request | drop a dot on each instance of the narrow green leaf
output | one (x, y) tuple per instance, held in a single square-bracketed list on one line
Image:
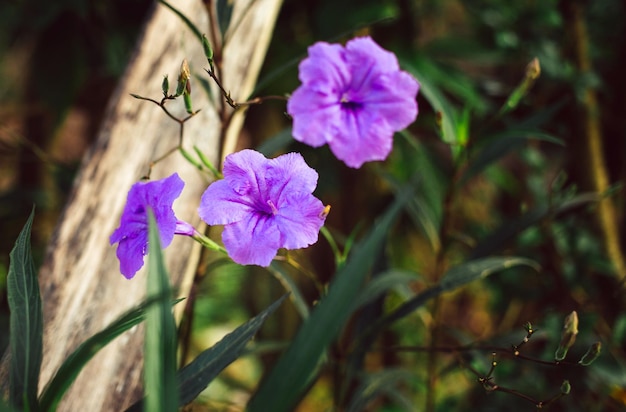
[(467, 272), (26, 323), (276, 143), (382, 283), (501, 144), (224, 14), (160, 383), (377, 384), (499, 238), (184, 18), (436, 99), (293, 372), (196, 376), (71, 367), (290, 286), (454, 278)]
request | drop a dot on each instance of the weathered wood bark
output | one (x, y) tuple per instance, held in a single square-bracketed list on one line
[(82, 289)]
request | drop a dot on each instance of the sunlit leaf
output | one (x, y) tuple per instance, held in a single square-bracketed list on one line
[(26, 322)]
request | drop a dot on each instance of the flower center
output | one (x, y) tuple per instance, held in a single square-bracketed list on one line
[(348, 104), (272, 207)]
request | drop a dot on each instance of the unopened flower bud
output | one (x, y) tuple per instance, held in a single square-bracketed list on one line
[(165, 86), (208, 51), (187, 100), (592, 354), (183, 78), (566, 387), (568, 336), (533, 69)]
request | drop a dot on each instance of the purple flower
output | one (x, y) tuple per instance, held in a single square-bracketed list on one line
[(132, 234), (352, 98), (265, 205)]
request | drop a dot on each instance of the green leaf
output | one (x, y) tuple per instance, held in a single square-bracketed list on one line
[(501, 144), (507, 231), (439, 103), (290, 286), (224, 14), (26, 323), (467, 272), (196, 376), (377, 384), (276, 143), (160, 382), (382, 283), (452, 279), (71, 367), (184, 18), (293, 372)]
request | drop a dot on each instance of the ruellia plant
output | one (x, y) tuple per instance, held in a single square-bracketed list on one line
[(396, 321)]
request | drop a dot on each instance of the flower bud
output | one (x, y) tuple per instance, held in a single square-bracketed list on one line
[(533, 69), (183, 78), (592, 354), (568, 336), (165, 86), (566, 387), (187, 100), (208, 51)]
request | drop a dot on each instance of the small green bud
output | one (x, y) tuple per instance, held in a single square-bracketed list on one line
[(568, 336), (208, 51), (165, 86), (187, 99), (183, 78), (566, 387), (592, 354)]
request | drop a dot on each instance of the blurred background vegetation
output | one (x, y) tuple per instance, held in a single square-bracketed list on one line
[(60, 61)]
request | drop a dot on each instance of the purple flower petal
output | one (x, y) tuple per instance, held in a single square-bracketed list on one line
[(265, 205), (353, 98), (132, 234), (253, 240)]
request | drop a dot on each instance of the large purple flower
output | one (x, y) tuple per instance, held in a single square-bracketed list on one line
[(132, 235), (265, 205), (352, 98)]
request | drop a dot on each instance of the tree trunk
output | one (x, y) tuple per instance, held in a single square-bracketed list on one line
[(82, 288)]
